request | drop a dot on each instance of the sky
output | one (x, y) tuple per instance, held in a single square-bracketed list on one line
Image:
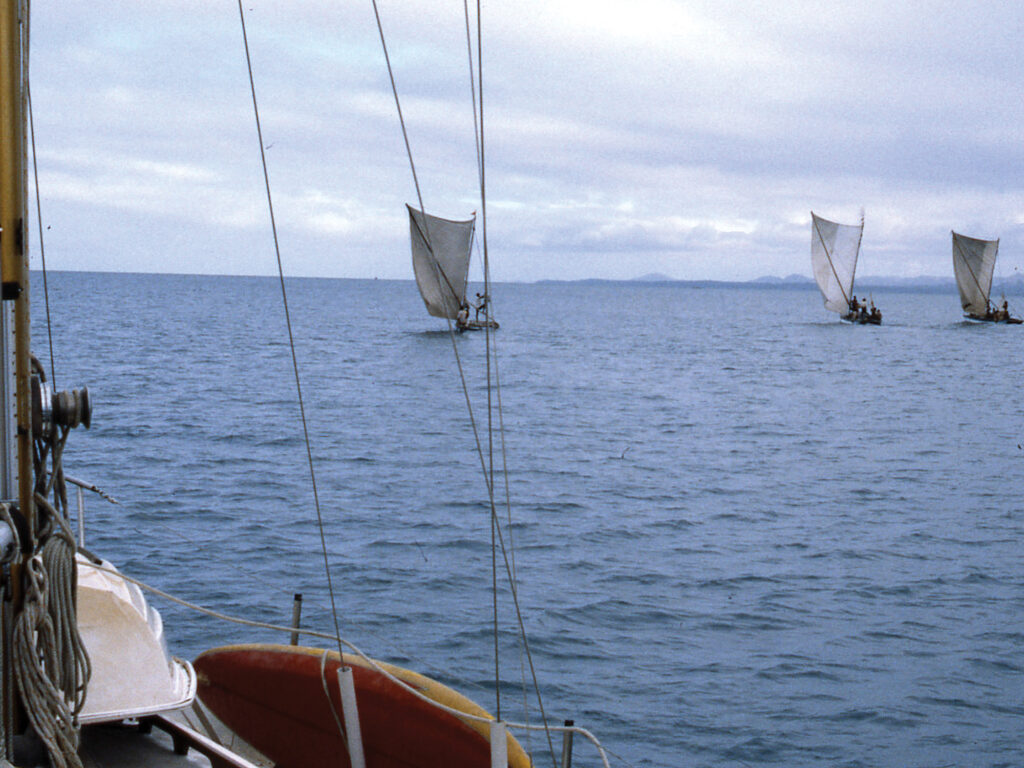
[(690, 138)]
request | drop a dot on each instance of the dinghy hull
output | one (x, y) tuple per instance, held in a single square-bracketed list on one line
[(273, 697)]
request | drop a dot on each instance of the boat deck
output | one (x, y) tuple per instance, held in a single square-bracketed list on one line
[(159, 742)]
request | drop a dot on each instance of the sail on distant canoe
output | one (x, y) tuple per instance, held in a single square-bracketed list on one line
[(440, 260), (974, 261), (834, 250)]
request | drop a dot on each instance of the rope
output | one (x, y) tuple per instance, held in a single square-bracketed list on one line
[(51, 665), (5, 515), (291, 337), (39, 222), (488, 473), (472, 83), (58, 556), (210, 548), (330, 702), (425, 232), (90, 487), (425, 236), (508, 512), (398, 107), (36, 664), (487, 340), (355, 650)]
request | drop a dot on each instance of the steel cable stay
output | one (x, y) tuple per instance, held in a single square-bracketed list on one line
[(486, 461), (439, 270), (210, 548), (47, 659), (488, 465), (288, 322), (340, 641), (39, 223)]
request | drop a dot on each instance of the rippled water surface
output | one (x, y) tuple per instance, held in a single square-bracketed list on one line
[(745, 534)]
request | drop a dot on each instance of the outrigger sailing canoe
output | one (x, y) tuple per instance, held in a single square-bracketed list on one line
[(974, 262), (441, 250), (834, 251)]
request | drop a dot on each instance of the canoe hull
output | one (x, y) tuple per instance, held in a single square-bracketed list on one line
[(992, 319), (478, 325), (858, 319)]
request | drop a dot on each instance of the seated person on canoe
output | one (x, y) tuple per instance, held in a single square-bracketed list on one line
[(462, 319)]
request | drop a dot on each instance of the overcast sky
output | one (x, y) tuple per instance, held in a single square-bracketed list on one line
[(687, 137)]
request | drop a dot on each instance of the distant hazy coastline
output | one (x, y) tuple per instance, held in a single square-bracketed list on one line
[(1011, 286)]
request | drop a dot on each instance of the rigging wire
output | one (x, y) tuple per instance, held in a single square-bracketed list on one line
[(495, 525), (291, 337), (39, 213), (210, 548), (478, 128), (472, 89), (467, 716), (488, 473)]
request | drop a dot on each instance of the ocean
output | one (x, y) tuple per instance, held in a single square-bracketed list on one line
[(745, 534)]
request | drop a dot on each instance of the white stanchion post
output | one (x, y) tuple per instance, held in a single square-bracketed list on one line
[(499, 745), (347, 686)]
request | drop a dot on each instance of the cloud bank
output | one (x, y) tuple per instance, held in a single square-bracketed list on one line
[(688, 138)]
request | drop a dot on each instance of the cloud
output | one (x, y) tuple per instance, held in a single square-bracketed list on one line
[(690, 137)]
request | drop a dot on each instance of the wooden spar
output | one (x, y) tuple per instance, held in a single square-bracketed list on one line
[(13, 248), (15, 414)]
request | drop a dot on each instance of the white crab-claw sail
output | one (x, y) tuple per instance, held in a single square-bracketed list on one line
[(440, 260), (834, 250), (974, 261)]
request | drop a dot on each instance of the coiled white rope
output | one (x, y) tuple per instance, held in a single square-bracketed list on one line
[(51, 665), (37, 667), (73, 674)]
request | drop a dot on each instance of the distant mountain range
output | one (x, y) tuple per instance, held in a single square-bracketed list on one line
[(1013, 285)]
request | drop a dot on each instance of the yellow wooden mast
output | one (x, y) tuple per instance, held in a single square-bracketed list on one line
[(16, 481), (14, 254)]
